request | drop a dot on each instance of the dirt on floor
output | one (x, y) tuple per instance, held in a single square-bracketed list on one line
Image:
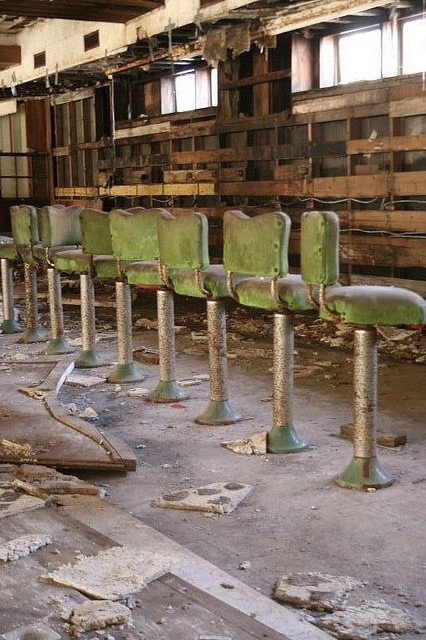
[(296, 520)]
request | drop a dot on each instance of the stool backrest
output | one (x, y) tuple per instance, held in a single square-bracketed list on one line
[(256, 246), (184, 242), (319, 247), (60, 226), (24, 219), (95, 232), (134, 233)]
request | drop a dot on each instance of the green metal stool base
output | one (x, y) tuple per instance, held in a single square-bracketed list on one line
[(219, 412), (363, 474), (285, 440), (167, 392), (88, 359), (57, 346), (33, 335), (10, 326), (126, 373)]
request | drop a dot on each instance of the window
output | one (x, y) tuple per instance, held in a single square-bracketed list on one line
[(194, 89), (360, 56), (386, 50), (414, 46), (39, 59), (91, 40)]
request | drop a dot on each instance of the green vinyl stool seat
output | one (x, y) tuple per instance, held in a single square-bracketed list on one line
[(144, 274), (185, 265), (290, 293), (374, 305), (213, 282), (77, 261), (8, 250), (256, 249), (363, 307), (135, 244)]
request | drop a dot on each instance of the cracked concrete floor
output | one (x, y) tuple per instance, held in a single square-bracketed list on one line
[(296, 520)]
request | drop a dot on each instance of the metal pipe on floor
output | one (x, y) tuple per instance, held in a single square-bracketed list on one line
[(8, 324), (219, 410), (167, 389)]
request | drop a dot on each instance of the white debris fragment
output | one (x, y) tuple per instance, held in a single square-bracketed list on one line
[(254, 445), (137, 392), (364, 620), (81, 380), (22, 546), (72, 409), (315, 591), (113, 573), (91, 616), (89, 412), (217, 497), (146, 323)]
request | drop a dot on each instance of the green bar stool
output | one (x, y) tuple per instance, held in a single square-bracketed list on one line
[(184, 261), (25, 230), (8, 254), (59, 230), (135, 246), (363, 307), (256, 249)]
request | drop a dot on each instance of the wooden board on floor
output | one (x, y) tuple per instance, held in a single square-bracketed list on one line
[(167, 609), (49, 436)]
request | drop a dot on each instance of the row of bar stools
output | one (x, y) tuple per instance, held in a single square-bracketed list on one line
[(363, 307), (95, 260)]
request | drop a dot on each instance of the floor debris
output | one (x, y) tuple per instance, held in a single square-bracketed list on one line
[(113, 573), (255, 445), (315, 591), (23, 452), (37, 631), (92, 616), (12, 502), (364, 620), (22, 546), (146, 357), (44, 481), (217, 497), (82, 380), (90, 413)]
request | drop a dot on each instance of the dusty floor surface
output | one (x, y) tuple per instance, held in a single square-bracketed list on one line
[(296, 519)]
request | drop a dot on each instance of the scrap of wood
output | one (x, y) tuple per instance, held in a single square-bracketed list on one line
[(383, 439)]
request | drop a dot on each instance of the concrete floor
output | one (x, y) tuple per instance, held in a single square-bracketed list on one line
[(297, 519)]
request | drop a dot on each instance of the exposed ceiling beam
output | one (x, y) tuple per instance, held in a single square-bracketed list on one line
[(305, 14), (86, 10)]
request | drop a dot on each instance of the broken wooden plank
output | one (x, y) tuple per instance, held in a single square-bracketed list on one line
[(382, 439)]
